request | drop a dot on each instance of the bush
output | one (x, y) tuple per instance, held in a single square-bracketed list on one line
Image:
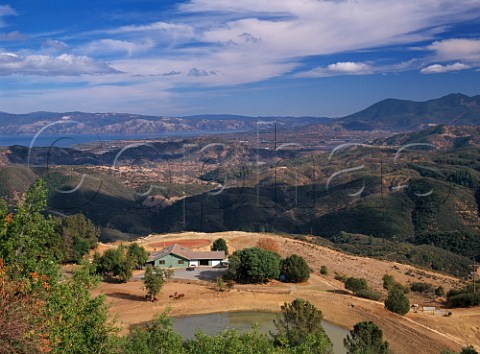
[(397, 302), (388, 281), (253, 265), (369, 294), (440, 291), (356, 284), (421, 287), (295, 269), (341, 277), (324, 270), (464, 300)]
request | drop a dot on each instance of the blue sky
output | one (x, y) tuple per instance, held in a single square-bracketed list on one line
[(254, 57)]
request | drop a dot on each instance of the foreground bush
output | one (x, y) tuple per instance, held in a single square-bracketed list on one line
[(366, 337)]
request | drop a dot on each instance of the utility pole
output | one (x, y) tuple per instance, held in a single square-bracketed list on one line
[(474, 273)]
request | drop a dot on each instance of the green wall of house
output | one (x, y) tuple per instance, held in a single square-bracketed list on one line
[(171, 260)]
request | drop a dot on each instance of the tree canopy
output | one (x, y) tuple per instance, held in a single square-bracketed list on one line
[(299, 320), (366, 338), (295, 269), (220, 245), (396, 301), (254, 265)]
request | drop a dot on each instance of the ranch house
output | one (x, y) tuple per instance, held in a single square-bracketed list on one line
[(177, 256)]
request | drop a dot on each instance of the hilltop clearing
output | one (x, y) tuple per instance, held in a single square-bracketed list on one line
[(423, 333)]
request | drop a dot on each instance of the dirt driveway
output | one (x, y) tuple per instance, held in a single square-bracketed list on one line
[(206, 274)]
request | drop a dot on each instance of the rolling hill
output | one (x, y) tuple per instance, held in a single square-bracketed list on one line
[(403, 115)]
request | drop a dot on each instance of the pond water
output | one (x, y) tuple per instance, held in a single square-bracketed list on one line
[(242, 321)]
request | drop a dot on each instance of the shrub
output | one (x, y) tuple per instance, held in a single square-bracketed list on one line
[(440, 291), (463, 300), (253, 265), (369, 294), (356, 284), (421, 287), (397, 302), (388, 281), (295, 269), (324, 270)]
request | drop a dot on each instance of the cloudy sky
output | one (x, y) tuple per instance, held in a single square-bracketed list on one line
[(255, 57)]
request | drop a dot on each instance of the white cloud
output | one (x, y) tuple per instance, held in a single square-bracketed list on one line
[(339, 68), (57, 45), (45, 65), (6, 10), (349, 67), (12, 36), (439, 69), (112, 46), (467, 50)]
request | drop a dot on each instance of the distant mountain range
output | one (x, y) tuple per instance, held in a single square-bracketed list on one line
[(133, 124), (389, 115), (401, 115)]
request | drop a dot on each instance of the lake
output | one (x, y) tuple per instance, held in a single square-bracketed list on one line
[(68, 140), (242, 321)]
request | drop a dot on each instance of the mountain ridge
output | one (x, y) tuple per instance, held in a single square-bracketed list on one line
[(403, 115)]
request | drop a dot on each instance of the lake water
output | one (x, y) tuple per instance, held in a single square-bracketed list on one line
[(68, 140), (242, 321)]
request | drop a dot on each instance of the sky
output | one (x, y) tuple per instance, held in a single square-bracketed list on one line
[(253, 57)]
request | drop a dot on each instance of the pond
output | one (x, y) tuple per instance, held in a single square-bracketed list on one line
[(242, 321)]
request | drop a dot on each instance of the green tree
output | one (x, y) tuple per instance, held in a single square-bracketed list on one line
[(79, 235), (366, 338), (230, 342), (155, 337), (220, 245), (28, 237), (254, 265), (298, 320), (397, 301), (137, 254), (115, 262), (153, 281), (295, 269), (356, 284), (76, 321)]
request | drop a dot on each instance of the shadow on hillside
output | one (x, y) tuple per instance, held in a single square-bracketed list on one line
[(339, 291), (125, 296)]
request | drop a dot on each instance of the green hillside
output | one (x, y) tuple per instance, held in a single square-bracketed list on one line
[(398, 115)]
